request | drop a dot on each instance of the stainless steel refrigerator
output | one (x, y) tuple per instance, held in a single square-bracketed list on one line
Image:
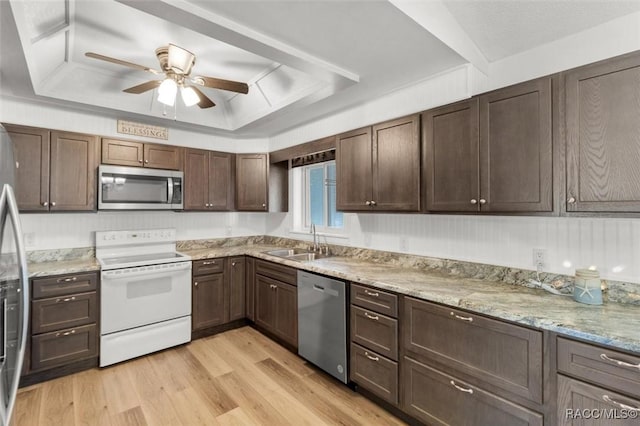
[(14, 289)]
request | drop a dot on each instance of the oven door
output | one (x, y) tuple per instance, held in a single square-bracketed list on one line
[(134, 297)]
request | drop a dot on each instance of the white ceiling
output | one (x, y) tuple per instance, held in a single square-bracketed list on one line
[(302, 59)]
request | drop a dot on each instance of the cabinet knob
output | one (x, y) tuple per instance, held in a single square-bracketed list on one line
[(474, 201), (233, 263), (571, 200), (373, 203), (195, 283), (483, 201), (206, 205), (146, 161), (139, 160), (368, 203), (45, 204), (53, 204), (264, 205)]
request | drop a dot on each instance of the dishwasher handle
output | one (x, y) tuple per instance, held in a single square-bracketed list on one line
[(324, 290)]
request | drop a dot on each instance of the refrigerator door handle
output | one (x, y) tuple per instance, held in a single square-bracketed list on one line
[(8, 198)]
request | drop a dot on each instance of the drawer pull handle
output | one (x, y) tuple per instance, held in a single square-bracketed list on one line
[(606, 398), (371, 357), (273, 286), (371, 293), (460, 317), (372, 317), (460, 388), (67, 280), (618, 362), (67, 299), (213, 262), (66, 333)]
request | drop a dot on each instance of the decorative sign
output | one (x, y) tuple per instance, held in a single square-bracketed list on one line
[(139, 129)]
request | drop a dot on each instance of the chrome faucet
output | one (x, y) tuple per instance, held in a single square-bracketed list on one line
[(315, 237)]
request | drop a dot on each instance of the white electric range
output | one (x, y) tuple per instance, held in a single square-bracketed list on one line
[(145, 299)]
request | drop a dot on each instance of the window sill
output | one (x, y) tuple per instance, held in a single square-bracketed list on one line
[(323, 234)]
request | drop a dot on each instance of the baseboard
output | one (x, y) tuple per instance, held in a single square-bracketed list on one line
[(387, 406), (198, 334), (54, 373)]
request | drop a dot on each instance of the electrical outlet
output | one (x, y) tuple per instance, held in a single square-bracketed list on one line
[(539, 258), (229, 231), (403, 244), (30, 239), (367, 239)]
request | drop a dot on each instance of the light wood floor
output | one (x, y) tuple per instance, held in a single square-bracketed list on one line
[(235, 378)]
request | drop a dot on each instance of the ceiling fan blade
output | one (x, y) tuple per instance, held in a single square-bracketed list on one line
[(141, 88), (205, 102), (218, 83), (121, 62)]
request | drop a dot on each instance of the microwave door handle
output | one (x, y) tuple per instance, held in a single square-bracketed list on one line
[(170, 190)]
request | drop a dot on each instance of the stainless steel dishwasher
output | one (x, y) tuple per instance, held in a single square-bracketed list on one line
[(322, 323)]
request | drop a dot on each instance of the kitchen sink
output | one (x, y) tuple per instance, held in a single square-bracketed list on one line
[(297, 254)]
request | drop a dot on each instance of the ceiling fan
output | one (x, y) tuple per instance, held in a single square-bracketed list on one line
[(176, 64)]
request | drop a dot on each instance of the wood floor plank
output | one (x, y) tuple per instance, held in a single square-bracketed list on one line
[(57, 403), (27, 408), (235, 378), (89, 398), (131, 417), (235, 417)]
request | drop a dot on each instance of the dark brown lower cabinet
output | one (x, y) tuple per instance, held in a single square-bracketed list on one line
[(375, 331), (236, 288), (63, 346), (63, 312), (375, 373), (437, 398), (580, 403), (276, 308), (208, 301)]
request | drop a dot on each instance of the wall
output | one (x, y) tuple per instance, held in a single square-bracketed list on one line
[(613, 245)]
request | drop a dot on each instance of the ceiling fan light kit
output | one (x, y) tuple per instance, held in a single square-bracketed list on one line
[(176, 63)]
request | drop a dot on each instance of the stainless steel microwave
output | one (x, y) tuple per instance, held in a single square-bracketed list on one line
[(133, 188)]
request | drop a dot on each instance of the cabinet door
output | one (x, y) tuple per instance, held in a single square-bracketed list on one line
[(450, 161), (286, 322), (159, 156), (516, 148), (265, 303), (221, 181), (31, 147), (122, 153), (576, 397), (237, 288), (208, 303), (196, 179), (353, 170), (396, 165), (250, 287), (74, 160), (603, 136), (436, 398), (252, 188)]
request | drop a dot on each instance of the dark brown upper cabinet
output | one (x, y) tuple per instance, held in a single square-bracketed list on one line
[(252, 182), (56, 171), (208, 179), (378, 167), (492, 153), (138, 154), (603, 136)]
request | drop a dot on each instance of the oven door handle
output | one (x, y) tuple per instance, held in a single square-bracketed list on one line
[(170, 190)]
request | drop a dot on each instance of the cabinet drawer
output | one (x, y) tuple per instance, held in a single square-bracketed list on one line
[(499, 353), (375, 373), (207, 266), (61, 347), (606, 367), (578, 397), (375, 331), (375, 300), (62, 285), (63, 312), (439, 399), (277, 272)]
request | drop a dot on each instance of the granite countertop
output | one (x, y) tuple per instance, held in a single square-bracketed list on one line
[(610, 324)]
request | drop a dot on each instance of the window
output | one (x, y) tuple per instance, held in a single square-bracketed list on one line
[(318, 198)]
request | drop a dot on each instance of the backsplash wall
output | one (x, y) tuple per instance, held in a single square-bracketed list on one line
[(69, 230), (612, 245)]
